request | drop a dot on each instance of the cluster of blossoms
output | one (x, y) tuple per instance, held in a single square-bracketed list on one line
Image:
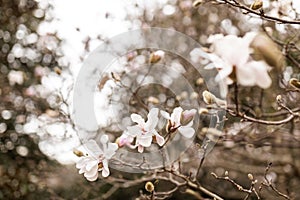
[(143, 134)]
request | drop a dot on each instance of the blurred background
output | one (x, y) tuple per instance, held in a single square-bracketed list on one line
[(43, 44)]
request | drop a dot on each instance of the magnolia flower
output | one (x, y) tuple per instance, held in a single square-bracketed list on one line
[(180, 120), (97, 158), (232, 58), (144, 131)]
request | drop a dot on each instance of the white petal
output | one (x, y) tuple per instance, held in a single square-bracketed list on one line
[(91, 172), (144, 141), (152, 113), (232, 49), (187, 132), (263, 79), (81, 162), (104, 139), (93, 148), (105, 170), (151, 123), (133, 131), (111, 150), (165, 114), (245, 75), (137, 119), (224, 72), (91, 165), (176, 115)]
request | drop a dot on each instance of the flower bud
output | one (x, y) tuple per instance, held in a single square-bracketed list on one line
[(265, 49), (197, 3), (187, 116), (57, 70), (156, 56), (294, 83), (149, 187), (250, 176), (78, 153), (257, 4), (208, 97)]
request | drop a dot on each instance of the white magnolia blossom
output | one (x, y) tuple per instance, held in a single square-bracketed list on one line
[(97, 158), (231, 56), (144, 131), (180, 120)]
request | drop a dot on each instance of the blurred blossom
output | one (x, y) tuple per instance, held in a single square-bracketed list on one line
[(232, 58), (6, 114), (97, 158), (144, 131), (15, 77), (3, 127)]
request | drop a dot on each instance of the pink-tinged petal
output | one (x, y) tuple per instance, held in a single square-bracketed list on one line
[(187, 132), (93, 148), (133, 131), (140, 149), (93, 178), (165, 114), (105, 169), (137, 119), (159, 139), (144, 141), (232, 49), (176, 115), (189, 113), (245, 75), (260, 69)]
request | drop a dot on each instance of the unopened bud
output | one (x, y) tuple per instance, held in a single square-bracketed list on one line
[(257, 4), (250, 176), (78, 153), (294, 83), (267, 50), (57, 70), (149, 187), (208, 97), (156, 56), (153, 100), (226, 173), (187, 116), (197, 3), (279, 98)]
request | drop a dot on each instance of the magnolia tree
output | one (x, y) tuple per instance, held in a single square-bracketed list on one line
[(209, 112), (203, 107)]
